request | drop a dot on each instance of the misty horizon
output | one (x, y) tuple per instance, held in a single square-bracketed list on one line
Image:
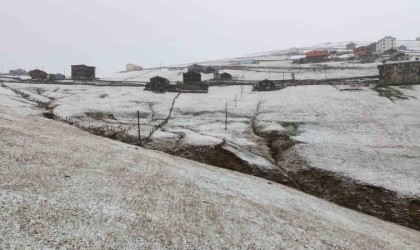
[(106, 34)]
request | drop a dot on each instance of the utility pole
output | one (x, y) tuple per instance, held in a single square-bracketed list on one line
[(138, 126), (269, 72), (325, 73)]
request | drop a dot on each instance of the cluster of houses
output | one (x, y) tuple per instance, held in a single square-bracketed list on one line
[(78, 72), (192, 81), (397, 68), (401, 71), (385, 46), (18, 72)]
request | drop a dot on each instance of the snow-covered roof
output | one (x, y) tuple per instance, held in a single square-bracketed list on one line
[(296, 57)]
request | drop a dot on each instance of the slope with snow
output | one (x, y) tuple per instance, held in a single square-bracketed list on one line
[(61, 187), (358, 133)]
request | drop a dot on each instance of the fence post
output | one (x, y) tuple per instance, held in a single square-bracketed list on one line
[(226, 116), (138, 126)]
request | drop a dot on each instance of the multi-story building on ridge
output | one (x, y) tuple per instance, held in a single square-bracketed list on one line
[(386, 44)]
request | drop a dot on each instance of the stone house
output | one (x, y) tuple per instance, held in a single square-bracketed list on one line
[(400, 73)]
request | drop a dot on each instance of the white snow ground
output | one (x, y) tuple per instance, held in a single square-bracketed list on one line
[(61, 187), (358, 134)]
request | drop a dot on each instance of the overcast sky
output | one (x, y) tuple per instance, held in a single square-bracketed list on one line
[(110, 33)]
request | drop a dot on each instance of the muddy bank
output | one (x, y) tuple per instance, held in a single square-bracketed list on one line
[(221, 157), (295, 172), (339, 189)]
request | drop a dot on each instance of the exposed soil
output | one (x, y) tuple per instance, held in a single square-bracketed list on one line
[(344, 191), (392, 94)]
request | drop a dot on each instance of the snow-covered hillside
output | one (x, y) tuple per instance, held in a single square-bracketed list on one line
[(354, 132), (275, 65), (61, 187)]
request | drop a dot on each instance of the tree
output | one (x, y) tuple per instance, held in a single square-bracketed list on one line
[(390, 51), (372, 47), (351, 46)]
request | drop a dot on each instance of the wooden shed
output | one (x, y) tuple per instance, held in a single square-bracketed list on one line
[(226, 77), (362, 51), (37, 74), (82, 72), (316, 55), (158, 84), (192, 77), (266, 85)]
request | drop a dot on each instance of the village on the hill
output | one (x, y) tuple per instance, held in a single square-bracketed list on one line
[(389, 62)]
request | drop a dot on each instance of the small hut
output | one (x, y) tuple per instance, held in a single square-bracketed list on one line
[(266, 85), (226, 77), (192, 77), (157, 84), (37, 74)]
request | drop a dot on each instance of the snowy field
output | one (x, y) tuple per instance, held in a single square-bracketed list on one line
[(352, 131), (61, 187)]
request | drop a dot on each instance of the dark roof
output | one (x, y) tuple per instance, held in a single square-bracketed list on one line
[(192, 73), (404, 62), (37, 70), (159, 77), (266, 80), (78, 65)]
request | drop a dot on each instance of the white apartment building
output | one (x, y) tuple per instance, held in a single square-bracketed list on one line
[(133, 67), (385, 44)]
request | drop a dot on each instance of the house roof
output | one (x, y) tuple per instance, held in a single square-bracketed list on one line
[(37, 70), (401, 62), (386, 38), (192, 72), (297, 57), (76, 65)]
